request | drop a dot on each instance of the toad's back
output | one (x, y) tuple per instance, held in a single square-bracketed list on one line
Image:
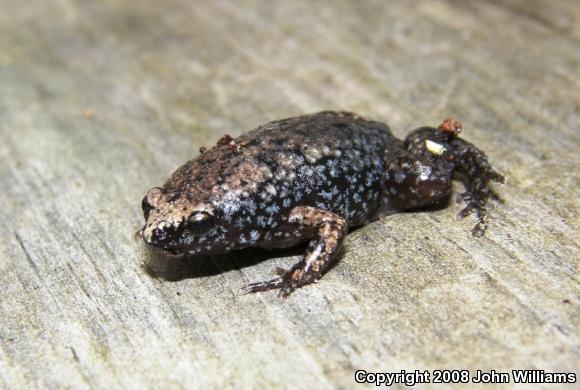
[(332, 161)]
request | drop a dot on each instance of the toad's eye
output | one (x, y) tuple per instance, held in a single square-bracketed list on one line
[(199, 221)]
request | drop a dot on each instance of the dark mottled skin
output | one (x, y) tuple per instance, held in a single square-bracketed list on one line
[(309, 178)]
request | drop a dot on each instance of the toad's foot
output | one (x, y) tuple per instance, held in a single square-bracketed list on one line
[(473, 165)]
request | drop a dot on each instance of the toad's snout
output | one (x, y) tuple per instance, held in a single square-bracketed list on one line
[(155, 235)]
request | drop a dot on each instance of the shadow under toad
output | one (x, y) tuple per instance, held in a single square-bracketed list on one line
[(158, 265)]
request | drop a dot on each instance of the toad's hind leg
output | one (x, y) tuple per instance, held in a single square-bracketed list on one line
[(477, 173), (330, 230)]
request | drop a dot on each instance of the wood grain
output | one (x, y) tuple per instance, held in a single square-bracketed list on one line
[(99, 101)]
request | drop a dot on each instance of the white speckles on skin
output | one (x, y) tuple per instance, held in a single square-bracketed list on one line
[(311, 154), (327, 195), (270, 189), (188, 239), (400, 177), (272, 209), (333, 167), (306, 171), (239, 223), (298, 196), (333, 171), (254, 235), (320, 170), (229, 203), (284, 191), (424, 172), (250, 206), (370, 180)]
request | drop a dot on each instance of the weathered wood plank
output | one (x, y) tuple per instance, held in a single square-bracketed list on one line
[(101, 100)]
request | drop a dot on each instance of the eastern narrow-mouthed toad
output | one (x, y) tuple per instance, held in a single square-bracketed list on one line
[(309, 179)]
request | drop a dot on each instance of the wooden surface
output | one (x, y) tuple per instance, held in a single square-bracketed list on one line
[(101, 100)]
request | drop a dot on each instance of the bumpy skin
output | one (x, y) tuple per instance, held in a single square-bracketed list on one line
[(308, 178)]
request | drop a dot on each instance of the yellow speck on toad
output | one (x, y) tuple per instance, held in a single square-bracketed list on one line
[(434, 147)]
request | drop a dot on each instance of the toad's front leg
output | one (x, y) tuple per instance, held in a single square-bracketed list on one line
[(329, 232)]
